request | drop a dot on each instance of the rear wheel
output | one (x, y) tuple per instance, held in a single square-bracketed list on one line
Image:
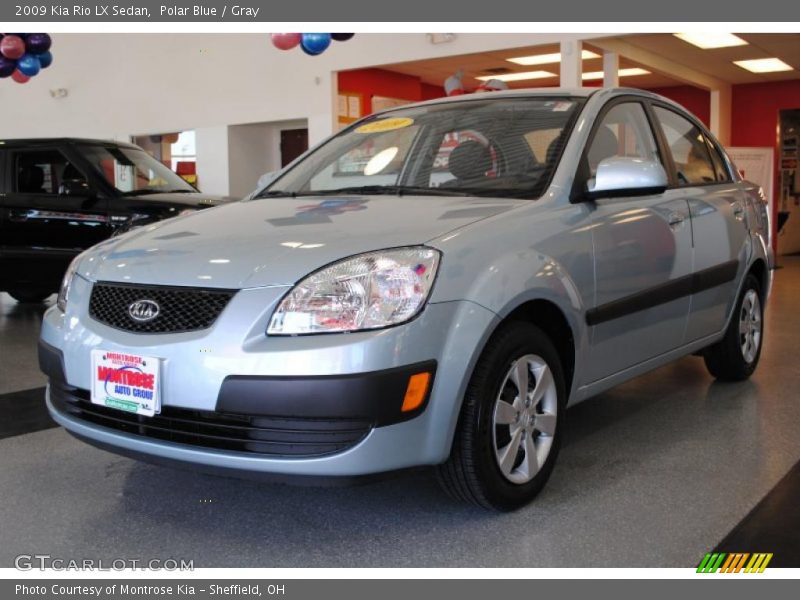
[(509, 430), (735, 356), (29, 296)]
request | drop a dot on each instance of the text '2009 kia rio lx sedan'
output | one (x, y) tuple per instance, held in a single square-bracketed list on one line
[(434, 285)]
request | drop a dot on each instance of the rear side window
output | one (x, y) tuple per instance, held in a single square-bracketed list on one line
[(687, 144), (42, 171)]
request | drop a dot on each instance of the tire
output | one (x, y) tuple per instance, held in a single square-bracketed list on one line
[(473, 472), (735, 356), (29, 296)]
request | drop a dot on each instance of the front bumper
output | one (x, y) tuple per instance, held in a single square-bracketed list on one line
[(301, 384)]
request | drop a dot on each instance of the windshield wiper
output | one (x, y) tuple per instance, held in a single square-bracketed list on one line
[(275, 194), (393, 190)]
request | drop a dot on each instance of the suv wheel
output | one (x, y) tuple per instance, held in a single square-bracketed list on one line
[(29, 296), (735, 356), (509, 430)]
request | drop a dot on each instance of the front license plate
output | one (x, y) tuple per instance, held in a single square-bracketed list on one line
[(126, 382)]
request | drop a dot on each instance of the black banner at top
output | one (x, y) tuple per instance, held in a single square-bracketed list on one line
[(443, 11)]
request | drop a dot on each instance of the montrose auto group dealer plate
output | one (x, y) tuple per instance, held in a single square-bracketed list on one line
[(126, 382)]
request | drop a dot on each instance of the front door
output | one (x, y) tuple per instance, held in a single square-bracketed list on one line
[(642, 256), (51, 215)]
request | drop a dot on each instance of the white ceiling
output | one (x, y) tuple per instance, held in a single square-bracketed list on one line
[(715, 62)]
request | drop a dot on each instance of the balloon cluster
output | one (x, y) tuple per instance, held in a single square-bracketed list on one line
[(23, 55), (310, 43)]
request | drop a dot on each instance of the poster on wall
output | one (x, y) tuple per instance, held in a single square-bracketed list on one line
[(756, 165)]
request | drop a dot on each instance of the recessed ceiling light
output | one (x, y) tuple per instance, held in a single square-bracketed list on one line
[(518, 76), (763, 65), (546, 59), (622, 73), (707, 40)]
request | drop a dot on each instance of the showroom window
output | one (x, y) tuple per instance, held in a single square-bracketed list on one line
[(42, 171), (688, 146), (624, 131)]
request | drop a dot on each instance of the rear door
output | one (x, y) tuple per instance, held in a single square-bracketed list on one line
[(642, 254), (718, 212), (51, 212)]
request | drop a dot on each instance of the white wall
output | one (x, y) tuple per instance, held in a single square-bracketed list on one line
[(123, 84)]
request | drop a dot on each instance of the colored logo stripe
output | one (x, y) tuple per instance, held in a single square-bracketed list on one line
[(734, 562)]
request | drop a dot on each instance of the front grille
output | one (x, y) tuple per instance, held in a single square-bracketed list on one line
[(181, 309), (262, 435)]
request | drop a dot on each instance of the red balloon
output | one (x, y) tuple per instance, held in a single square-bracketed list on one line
[(12, 46), (285, 41), (20, 77)]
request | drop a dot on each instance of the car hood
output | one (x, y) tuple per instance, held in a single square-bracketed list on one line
[(277, 241), (191, 199)]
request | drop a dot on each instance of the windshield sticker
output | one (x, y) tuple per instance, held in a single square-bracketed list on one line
[(562, 106), (385, 125)]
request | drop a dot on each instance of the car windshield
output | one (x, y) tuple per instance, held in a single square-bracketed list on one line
[(133, 171), (500, 147)]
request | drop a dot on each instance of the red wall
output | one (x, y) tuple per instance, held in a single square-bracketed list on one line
[(379, 82), (694, 99)]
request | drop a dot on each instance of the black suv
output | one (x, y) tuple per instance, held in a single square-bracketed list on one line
[(61, 196)]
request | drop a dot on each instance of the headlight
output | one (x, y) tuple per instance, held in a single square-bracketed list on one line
[(368, 291), (63, 293)]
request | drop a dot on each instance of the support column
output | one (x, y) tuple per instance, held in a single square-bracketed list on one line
[(571, 64), (610, 69), (213, 173), (720, 124)]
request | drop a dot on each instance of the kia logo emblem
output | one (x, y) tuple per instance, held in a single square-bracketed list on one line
[(143, 310)]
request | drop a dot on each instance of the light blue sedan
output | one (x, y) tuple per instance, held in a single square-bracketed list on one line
[(434, 285)]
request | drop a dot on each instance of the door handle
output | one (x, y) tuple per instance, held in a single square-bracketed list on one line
[(676, 218), (18, 215)]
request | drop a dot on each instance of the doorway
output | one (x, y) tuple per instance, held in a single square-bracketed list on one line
[(789, 183), (293, 143)]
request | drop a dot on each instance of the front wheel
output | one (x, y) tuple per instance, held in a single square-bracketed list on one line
[(29, 296), (509, 430), (735, 356)]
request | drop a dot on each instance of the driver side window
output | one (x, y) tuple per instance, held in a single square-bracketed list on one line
[(624, 131)]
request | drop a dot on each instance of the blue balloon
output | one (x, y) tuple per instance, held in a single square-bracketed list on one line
[(45, 59), (29, 65), (315, 43)]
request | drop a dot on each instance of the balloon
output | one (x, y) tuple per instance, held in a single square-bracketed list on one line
[(36, 43), (342, 37), (315, 43), (45, 59), (20, 77), (7, 66), (29, 65), (285, 41), (12, 46)]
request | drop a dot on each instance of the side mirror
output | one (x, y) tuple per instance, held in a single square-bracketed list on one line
[(627, 176), (266, 179), (75, 187)]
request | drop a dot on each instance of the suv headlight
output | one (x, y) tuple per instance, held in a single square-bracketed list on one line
[(63, 293), (367, 291)]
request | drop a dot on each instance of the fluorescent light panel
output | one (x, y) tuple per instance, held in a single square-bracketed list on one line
[(763, 65), (546, 59), (709, 39), (622, 73), (518, 76)]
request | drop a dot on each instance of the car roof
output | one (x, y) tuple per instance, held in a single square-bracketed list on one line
[(33, 142), (575, 92)]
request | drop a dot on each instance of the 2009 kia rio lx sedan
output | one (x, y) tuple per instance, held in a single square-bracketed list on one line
[(434, 285)]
